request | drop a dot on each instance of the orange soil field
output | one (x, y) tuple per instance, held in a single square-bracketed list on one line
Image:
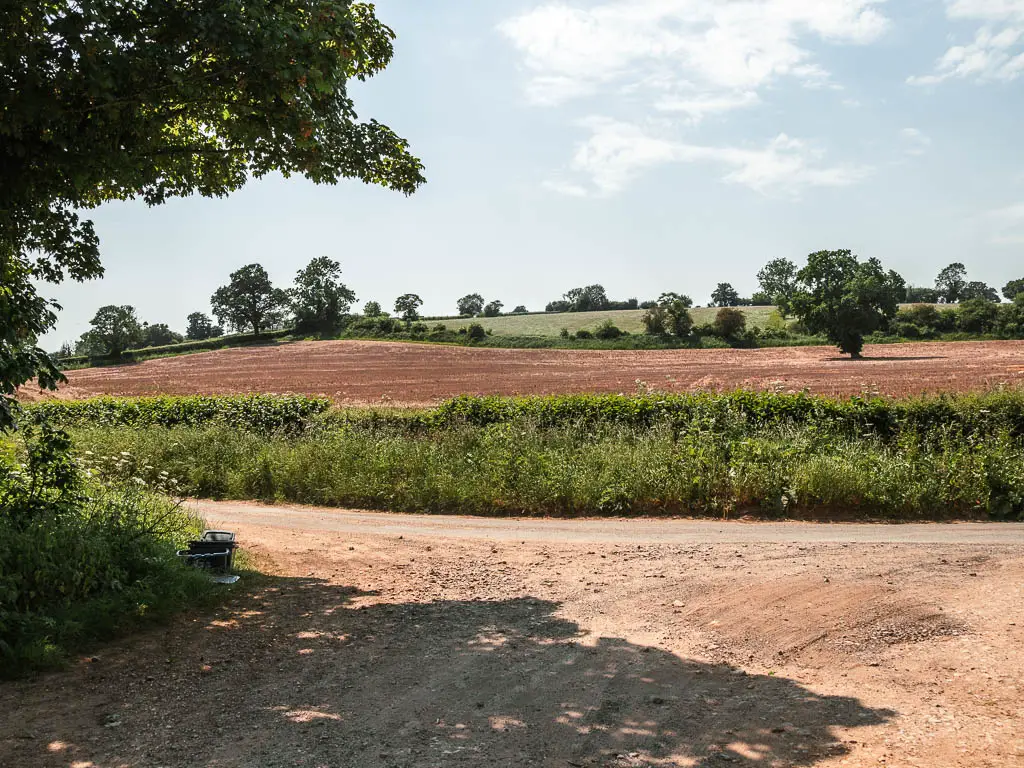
[(359, 372)]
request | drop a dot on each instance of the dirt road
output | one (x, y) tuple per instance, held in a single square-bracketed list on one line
[(612, 531), (391, 641), (362, 372)]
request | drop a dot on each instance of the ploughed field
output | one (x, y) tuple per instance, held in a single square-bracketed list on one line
[(361, 372)]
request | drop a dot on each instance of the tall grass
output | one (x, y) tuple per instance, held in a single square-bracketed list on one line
[(522, 466)]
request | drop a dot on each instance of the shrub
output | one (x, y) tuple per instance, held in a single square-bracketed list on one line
[(584, 334), (978, 315), (476, 332), (264, 414), (564, 333), (655, 320), (79, 561), (730, 322), (607, 330)]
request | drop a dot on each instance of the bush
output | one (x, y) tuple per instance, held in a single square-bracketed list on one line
[(730, 322), (607, 330), (978, 315), (80, 561), (476, 332), (655, 454), (584, 334), (264, 414)]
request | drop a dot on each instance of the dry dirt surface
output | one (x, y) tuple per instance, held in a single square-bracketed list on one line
[(376, 649), (359, 372)]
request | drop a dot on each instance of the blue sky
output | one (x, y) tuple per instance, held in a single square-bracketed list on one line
[(648, 145)]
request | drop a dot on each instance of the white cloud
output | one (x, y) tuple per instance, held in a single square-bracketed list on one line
[(917, 143), (706, 47), (617, 151), (994, 54), (697, 107), (1008, 225), (684, 61)]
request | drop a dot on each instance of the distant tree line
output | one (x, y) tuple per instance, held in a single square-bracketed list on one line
[(834, 295)]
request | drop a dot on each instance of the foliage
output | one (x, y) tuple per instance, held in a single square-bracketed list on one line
[(24, 317), (407, 307), (372, 309), (951, 281), (725, 296), (520, 309), (493, 309), (918, 295), (104, 101), (476, 332), (977, 315), (114, 330), (263, 414), (672, 298), (777, 279), (730, 322), (319, 300), (655, 321), (470, 305), (607, 330), (845, 299), (593, 454), (200, 327), (979, 290), (159, 335), (1013, 288), (249, 300), (81, 561)]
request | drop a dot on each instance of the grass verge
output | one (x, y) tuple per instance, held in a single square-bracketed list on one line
[(702, 454)]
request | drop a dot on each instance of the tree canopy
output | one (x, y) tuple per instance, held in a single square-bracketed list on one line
[(201, 327), (845, 299), (725, 296), (778, 279), (470, 305), (319, 299), (108, 100), (114, 330), (407, 307), (951, 281), (1013, 288), (249, 300)]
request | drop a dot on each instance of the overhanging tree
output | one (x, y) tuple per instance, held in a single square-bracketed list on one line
[(845, 299), (249, 300), (109, 100)]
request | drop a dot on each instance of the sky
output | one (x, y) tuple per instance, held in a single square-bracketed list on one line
[(647, 145)]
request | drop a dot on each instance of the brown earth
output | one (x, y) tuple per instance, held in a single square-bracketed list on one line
[(360, 372), (378, 650)]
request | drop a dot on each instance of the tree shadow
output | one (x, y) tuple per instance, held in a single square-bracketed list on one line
[(896, 359), (298, 674)]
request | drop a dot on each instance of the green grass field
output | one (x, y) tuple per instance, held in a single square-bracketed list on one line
[(627, 319)]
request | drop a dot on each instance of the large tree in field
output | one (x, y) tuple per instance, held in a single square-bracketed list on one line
[(407, 307), (249, 300), (319, 299), (470, 305), (845, 299), (777, 279), (951, 281), (111, 100), (115, 329), (1013, 288), (725, 296), (201, 327)]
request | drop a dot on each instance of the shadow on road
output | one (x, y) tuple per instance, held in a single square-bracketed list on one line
[(305, 673)]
